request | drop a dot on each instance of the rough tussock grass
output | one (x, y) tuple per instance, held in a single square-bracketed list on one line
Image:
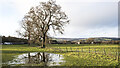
[(72, 58)]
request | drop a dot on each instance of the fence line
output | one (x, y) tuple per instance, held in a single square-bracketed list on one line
[(89, 50)]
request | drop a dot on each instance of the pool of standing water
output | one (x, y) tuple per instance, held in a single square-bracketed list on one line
[(49, 59)]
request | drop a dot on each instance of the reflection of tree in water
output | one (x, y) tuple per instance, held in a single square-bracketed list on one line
[(38, 58)]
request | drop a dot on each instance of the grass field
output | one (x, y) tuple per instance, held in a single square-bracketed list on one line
[(74, 54)]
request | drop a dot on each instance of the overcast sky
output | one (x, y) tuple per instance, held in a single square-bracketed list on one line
[(88, 18)]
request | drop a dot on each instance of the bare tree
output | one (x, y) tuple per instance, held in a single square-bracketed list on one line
[(44, 17), (49, 16), (27, 25)]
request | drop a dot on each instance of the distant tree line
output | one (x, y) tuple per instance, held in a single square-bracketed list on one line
[(94, 41), (100, 42), (14, 40)]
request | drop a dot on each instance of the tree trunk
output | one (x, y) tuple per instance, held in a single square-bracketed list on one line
[(29, 57), (29, 39), (43, 57), (43, 42)]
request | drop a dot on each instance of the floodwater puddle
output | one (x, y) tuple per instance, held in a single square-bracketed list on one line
[(49, 59)]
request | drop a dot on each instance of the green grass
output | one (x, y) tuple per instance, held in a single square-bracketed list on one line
[(72, 58), (88, 59)]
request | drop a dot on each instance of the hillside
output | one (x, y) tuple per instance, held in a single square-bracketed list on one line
[(95, 38)]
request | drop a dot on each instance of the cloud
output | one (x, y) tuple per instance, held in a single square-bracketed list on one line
[(94, 14), (88, 17), (92, 20), (79, 33)]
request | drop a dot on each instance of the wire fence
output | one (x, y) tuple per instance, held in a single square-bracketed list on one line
[(87, 50)]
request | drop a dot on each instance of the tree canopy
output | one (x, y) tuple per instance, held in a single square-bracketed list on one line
[(42, 18)]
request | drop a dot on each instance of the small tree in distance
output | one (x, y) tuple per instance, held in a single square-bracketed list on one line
[(42, 18)]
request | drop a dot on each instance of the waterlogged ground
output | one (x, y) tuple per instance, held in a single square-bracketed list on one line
[(79, 56), (37, 58)]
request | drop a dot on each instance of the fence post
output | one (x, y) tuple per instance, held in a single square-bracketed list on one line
[(78, 51), (49, 49), (71, 49), (116, 55), (54, 49), (59, 48), (104, 52), (81, 49), (89, 49), (95, 50), (66, 49)]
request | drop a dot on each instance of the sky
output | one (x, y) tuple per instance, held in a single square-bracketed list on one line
[(88, 18)]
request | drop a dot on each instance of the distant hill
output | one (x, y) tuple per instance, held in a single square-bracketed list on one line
[(106, 38), (96, 38), (68, 39)]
